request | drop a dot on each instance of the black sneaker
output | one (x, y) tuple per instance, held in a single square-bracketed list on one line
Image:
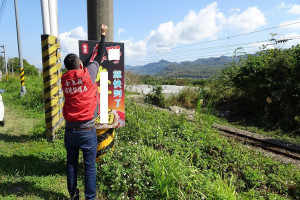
[(76, 195)]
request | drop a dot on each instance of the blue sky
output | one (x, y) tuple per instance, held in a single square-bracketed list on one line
[(175, 30)]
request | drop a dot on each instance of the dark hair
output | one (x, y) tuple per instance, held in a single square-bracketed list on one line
[(71, 61)]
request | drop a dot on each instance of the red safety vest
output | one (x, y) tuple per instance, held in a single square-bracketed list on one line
[(80, 95)]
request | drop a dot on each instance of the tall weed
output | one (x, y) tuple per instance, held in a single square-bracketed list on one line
[(156, 97)]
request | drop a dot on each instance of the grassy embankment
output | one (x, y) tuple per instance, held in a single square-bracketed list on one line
[(157, 156), (190, 97)]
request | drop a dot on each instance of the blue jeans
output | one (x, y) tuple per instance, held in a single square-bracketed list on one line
[(86, 140)]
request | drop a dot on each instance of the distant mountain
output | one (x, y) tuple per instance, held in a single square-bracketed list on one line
[(149, 69), (200, 68)]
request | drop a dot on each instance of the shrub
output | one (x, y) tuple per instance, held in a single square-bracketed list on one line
[(264, 86), (156, 97)]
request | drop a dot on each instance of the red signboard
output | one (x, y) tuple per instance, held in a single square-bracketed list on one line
[(113, 63)]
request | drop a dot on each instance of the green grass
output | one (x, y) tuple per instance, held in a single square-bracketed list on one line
[(278, 133), (30, 167), (190, 98), (203, 150), (157, 156)]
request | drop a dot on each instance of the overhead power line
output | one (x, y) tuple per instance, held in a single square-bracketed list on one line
[(212, 51), (233, 36), (153, 56), (206, 48), (254, 44), (2, 9), (225, 47)]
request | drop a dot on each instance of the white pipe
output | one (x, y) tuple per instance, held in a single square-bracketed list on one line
[(53, 17), (104, 97), (45, 16)]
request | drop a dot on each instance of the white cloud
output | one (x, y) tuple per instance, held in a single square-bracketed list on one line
[(121, 30), (247, 21), (234, 10), (295, 10), (69, 43), (292, 35), (205, 24), (255, 47), (69, 40), (281, 6), (164, 37), (195, 26), (134, 48), (295, 39), (278, 8), (295, 25)]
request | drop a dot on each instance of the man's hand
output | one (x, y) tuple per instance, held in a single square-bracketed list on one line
[(103, 29)]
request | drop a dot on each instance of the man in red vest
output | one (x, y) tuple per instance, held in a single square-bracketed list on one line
[(80, 109)]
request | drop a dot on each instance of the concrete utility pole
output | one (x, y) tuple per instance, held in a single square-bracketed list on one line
[(5, 63), (100, 12), (52, 72), (23, 89)]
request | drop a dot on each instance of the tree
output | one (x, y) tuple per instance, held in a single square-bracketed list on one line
[(267, 86), (28, 68), (1, 62)]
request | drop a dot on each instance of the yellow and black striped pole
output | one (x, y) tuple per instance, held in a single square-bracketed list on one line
[(22, 77), (51, 77), (106, 141)]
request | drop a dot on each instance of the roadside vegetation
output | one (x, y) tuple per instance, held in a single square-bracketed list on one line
[(263, 88), (160, 155), (13, 66), (258, 92), (132, 78), (157, 156)]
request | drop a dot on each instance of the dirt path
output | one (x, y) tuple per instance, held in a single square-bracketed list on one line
[(16, 123)]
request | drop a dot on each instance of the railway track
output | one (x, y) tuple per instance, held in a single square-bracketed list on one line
[(291, 152), (281, 150)]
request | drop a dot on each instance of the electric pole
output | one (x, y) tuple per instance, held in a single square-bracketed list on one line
[(23, 89), (100, 12), (4, 63), (52, 72)]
